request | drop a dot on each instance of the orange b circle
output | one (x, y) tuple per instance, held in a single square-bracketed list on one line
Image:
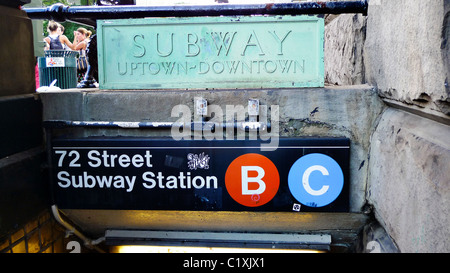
[(252, 180)]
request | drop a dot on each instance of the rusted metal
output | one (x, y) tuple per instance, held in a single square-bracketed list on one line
[(89, 14)]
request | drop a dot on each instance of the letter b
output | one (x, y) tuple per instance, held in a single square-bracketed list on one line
[(192, 47), (258, 179), (89, 180)]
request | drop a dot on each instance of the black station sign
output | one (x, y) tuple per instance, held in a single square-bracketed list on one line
[(303, 174)]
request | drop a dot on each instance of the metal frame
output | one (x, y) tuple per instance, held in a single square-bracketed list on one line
[(219, 239)]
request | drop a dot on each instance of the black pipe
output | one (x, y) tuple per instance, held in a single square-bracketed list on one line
[(59, 124), (89, 14), (195, 126)]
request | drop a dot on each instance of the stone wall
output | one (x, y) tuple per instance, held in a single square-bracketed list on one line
[(16, 53), (406, 52), (402, 49), (406, 58), (26, 225)]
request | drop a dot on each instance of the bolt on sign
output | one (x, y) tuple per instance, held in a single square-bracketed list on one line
[(211, 52), (232, 175)]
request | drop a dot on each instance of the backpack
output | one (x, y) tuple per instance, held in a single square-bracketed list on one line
[(55, 43)]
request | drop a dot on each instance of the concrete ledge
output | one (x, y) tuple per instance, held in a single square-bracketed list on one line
[(420, 111), (97, 221), (344, 228)]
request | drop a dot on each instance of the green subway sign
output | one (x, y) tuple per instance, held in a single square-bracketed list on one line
[(211, 52)]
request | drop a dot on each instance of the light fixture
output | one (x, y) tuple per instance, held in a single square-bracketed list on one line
[(180, 249), (137, 241)]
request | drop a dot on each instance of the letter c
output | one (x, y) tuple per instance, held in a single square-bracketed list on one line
[(305, 180)]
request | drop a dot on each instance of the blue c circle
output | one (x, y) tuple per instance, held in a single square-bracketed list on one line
[(315, 180)]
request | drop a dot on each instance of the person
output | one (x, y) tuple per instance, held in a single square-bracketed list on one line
[(36, 73), (80, 42), (81, 38), (56, 40), (60, 31)]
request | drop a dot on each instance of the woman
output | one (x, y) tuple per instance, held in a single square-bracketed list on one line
[(56, 40), (80, 42), (81, 38)]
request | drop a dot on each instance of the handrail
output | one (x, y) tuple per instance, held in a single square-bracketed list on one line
[(89, 14)]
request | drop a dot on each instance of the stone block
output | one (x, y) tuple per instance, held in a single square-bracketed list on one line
[(409, 182), (16, 53), (344, 43), (62, 105), (406, 52)]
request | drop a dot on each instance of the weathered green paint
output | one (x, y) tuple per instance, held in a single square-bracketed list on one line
[(211, 52)]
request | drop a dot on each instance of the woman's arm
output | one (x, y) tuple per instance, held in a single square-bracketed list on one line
[(65, 40), (75, 41), (47, 43), (81, 45)]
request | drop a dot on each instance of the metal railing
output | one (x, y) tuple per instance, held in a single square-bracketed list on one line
[(89, 14)]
